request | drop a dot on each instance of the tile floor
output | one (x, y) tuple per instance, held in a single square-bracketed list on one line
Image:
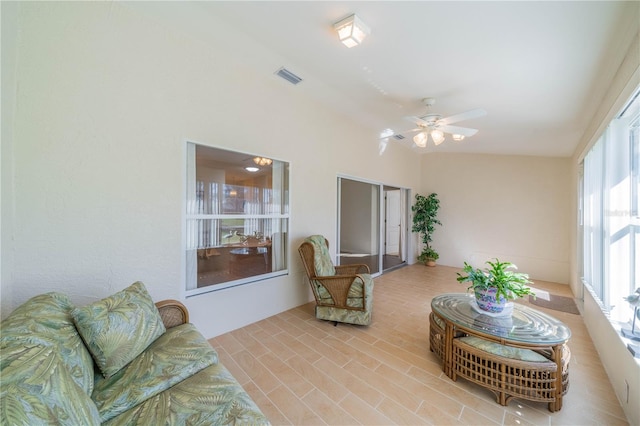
[(303, 371)]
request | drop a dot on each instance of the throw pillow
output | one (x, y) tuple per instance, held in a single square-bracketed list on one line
[(119, 328)]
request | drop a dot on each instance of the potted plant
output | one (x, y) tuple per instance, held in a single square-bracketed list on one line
[(425, 211), (496, 284)]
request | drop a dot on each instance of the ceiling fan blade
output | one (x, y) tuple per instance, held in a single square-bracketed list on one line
[(464, 131), (474, 113), (417, 121), (382, 145), (393, 135)]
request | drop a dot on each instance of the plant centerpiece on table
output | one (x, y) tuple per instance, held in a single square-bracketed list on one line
[(495, 285), (425, 212)]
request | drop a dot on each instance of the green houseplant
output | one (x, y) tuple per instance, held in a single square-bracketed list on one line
[(496, 284), (425, 212)]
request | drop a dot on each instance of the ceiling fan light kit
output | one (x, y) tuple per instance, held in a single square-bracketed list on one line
[(262, 161), (420, 140), (436, 126), (437, 136)]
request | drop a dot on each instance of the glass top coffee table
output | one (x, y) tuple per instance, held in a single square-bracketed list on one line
[(523, 355)]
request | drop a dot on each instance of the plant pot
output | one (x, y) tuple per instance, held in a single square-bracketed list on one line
[(486, 300), (430, 262)]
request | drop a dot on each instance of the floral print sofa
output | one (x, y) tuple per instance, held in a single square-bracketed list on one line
[(113, 362)]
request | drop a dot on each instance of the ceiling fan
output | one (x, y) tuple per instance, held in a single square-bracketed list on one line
[(436, 126)]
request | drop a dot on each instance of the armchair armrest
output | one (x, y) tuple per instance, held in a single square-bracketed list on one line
[(358, 268), (172, 312)]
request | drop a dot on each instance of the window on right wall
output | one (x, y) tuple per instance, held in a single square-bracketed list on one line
[(610, 213)]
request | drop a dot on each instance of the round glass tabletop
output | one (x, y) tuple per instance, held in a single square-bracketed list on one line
[(525, 325)]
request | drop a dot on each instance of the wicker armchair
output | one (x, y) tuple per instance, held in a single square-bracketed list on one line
[(343, 293)]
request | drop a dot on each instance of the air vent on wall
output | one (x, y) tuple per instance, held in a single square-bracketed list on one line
[(288, 75), (398, 137)]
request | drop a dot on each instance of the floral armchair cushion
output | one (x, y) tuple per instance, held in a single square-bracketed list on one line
[(322, 259), (362, 317), (117, 329)]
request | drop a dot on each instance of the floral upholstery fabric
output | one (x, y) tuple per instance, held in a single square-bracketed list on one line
[(504, 351), (210, 397), (350, 316), (321, 257), (354, 298), (37, 389), (46, 372), (45, 320), (117, 329), (176, 355)]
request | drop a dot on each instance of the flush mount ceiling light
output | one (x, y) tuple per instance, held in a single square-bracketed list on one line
[(251, 169), (261, 161), (351, 31)]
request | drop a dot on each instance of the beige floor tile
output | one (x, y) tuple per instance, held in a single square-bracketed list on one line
[(326, 408), (362, 410), (355, 384), (295, 410), (399, 413), (323, 380), (258, 373)]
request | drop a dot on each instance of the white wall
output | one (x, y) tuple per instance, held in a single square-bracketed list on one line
[(107, 96), (515, 208), (8, 13)]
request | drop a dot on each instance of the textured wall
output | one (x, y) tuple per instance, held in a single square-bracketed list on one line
[(515, 208), (107, 95)]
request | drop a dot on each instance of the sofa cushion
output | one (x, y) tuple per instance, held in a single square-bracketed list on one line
[(179, 353), (46, 320), (210, 397), (117, 329), (37, 389)]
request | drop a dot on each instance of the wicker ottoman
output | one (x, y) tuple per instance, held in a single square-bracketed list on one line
[(514, 373)]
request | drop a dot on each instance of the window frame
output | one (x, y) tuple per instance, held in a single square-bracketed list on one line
[(191, 213), (621, 136)]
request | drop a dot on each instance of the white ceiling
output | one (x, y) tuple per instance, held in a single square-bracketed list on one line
[(538, 68)]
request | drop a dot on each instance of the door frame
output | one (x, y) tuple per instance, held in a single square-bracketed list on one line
[(381, 212)]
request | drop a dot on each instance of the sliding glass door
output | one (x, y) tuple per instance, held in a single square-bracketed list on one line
[(371, 224)]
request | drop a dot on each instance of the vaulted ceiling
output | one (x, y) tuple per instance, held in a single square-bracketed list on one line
[(539, 69)]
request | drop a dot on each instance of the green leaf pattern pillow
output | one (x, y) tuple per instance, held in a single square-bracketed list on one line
[(117, 329), (46, 320), (37, 389)]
